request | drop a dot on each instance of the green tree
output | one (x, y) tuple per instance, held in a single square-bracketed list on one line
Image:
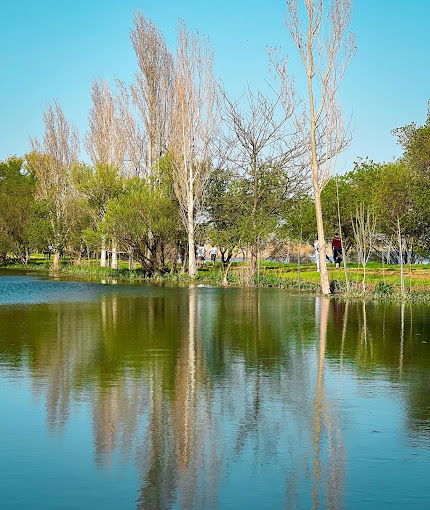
[(99, 185), (145, 220), (17, 211)]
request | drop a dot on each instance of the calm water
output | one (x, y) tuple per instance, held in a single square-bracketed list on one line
[(131, 396)]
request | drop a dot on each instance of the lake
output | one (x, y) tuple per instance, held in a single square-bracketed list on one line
[(150, 397)]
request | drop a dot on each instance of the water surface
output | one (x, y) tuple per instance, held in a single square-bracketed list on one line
[(133, 396)]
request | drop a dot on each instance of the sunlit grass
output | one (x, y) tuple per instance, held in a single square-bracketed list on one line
[(270, 273)]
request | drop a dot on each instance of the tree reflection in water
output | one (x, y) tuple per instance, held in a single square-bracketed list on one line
[(191, 382)]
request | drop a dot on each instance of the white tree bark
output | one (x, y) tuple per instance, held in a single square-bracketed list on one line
[(192, 129), (325, 49), (103, 253), (114, 258)]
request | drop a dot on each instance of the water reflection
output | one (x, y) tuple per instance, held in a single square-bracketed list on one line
[(207, 390), (325, 420)]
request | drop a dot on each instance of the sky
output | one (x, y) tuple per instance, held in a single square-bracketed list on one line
[(54, 49)]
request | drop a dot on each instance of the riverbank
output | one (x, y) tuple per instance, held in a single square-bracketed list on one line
[(382, 282)]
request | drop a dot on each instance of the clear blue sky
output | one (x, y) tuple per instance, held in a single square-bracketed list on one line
[(53, 49)]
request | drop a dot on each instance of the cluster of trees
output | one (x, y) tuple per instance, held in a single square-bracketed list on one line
[(175, 161), (381, 209), (174, 157)]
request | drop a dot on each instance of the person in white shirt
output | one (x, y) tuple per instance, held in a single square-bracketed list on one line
[(317, 254), (213, 252), (201, 255)]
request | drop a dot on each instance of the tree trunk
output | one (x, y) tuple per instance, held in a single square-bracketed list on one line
[(103, 253), (254, 260), (174, 267), (324, 281), (341, 238), (184, 260), (114, 259), (364, 277), (79, 259), (402, 272), (56, 261), (226, 268), (192, 268), (130, 262)]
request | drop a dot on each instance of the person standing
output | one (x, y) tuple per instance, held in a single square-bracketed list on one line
[(317, 254), (201, 255), (336, 246), (213, 252)]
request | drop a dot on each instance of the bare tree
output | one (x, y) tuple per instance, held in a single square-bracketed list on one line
[(152, 92), (364, 227), (107, 140), (136, 143), (192, 129), (52, 162), (104, 141), (260, 136), (319, 31)]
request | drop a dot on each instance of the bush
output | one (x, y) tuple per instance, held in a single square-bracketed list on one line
[(384, 289), (335, 287)]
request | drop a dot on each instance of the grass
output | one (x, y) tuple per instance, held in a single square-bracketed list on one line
[(382, 281)]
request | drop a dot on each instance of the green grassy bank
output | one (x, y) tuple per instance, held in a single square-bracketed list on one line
[(382, 281)]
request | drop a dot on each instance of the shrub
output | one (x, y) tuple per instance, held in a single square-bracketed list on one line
[(384, 289), (335, 287)]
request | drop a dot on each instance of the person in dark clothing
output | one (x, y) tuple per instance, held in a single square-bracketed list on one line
[(336, 246)]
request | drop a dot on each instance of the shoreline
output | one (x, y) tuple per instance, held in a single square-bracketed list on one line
[(213, 277)]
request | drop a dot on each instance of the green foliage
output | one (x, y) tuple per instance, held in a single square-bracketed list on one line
[(99, 185), (144, 218), (77, 208), (416, 144), (389, 191), (384, 289), (17, 208), (245, 210), (335, 287), (298, 220)]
